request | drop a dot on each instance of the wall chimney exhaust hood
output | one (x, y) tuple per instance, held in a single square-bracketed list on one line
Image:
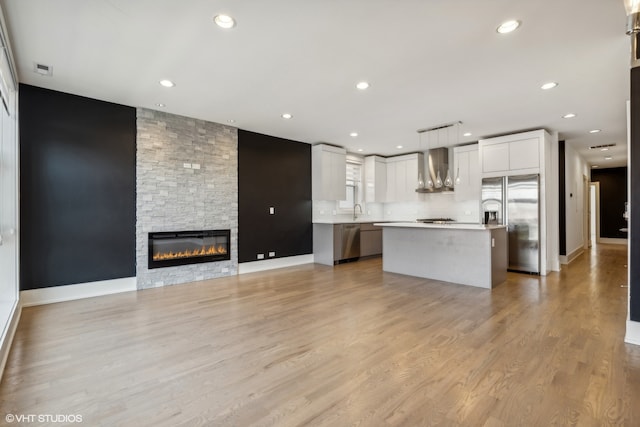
[(438, 177), (437, 168)]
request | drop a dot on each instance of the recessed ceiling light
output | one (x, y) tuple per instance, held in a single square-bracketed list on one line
[(604, 149), (362, 85), (398, 146), (595, 166), (568, 116), (548, 86), (224, 21), (466, 134), (594, 131), (508, 26), (167, 83), (286, 116), (360, 150), (608, 158), (160, 104), (353, 134)]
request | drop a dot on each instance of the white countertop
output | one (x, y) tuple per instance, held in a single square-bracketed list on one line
[(454, 226)]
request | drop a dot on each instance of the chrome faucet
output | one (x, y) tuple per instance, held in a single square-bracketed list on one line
[(355, 214)]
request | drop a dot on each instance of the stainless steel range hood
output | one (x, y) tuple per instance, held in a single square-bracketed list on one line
[(437, 161)]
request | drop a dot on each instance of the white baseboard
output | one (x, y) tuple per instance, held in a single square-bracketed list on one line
[(566, 259), (77, 291), (8, 334), (633, 333), (270, 264), (613, 241)]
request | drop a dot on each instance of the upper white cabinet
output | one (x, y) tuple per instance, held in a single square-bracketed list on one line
[(402, 177), (512, 154), (328, 172), (466, 166), (375, 179), (495, 157)]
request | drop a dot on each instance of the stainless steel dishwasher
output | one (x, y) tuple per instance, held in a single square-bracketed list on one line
[(350, 242)]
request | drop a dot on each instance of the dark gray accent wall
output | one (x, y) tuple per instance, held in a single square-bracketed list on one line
[(273, 172), (613, 195), (562, 198), (77, 189), (634, 235)]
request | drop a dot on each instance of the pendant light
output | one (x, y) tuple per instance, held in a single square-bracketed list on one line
[(448, 182), (438, 183), (458, 180), (420, 180), (429, 183)]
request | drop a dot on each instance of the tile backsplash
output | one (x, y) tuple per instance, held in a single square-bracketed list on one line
[(440, 205)]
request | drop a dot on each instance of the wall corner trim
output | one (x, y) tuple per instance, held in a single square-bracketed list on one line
[(633, 333), (8, 334), (256, 266), (78, 291)]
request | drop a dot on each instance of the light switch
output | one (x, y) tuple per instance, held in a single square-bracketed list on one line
[(272, 210)]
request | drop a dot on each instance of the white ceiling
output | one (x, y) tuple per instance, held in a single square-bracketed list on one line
[(429, 62)]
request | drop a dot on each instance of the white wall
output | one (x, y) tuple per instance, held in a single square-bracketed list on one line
[(9, 227), (575, 168), (8, 204)]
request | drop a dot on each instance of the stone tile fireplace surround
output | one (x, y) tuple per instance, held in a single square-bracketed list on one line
[(187, 179)]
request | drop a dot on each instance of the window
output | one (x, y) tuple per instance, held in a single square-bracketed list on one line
[(354, 178)]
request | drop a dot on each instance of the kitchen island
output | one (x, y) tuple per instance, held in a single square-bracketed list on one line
[(468, 254)]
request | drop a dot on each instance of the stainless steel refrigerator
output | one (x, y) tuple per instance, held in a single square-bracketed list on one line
[(515, 202)]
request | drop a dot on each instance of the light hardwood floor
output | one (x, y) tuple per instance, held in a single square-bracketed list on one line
[(350, 345)]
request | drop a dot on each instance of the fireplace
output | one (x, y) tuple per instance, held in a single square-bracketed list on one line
[(171, 248)]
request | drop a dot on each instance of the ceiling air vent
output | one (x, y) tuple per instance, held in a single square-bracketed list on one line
[(593, 147), (42, 69)]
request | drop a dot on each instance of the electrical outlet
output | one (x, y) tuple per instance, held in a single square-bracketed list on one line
[(272, 254), (195, 166), (260, 256), (186, 165)]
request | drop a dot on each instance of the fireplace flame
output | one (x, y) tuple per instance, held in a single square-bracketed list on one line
[(211, 250)]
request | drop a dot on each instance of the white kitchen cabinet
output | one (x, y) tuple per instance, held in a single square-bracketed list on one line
[(402, 177), (511, 154), (495, 158), (328, 172), (466, 165), (391, 195), (375, 179), (524, 154)]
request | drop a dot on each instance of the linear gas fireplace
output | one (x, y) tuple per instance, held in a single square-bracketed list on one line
[(171, 248)]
